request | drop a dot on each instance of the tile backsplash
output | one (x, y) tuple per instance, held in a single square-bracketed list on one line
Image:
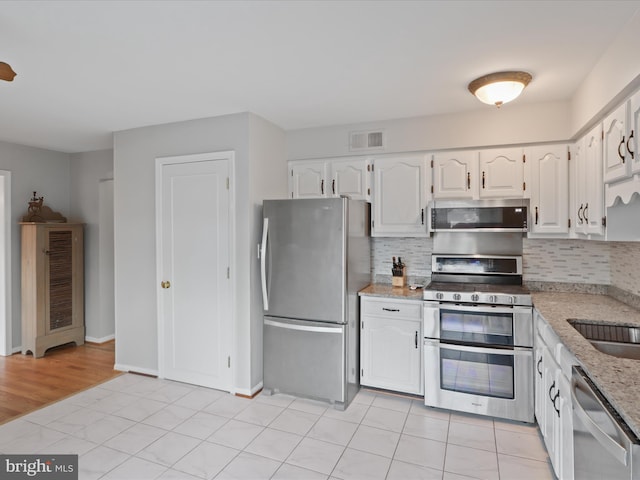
[(544, 260)]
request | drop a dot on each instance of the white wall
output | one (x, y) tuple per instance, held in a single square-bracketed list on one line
[(615, 75), (87, 171), (134, 163), (511, 124), (46, 172)]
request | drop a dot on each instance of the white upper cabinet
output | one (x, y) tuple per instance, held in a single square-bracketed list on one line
[(307, 179), (620, 142), (549, 165), (455, 174), (330, 178), (502, 173), (400, 195), (588, 208)]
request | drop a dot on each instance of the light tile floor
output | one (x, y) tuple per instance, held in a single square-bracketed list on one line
[(135, 428)]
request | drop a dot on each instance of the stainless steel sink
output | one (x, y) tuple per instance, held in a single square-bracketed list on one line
[(618, 340)]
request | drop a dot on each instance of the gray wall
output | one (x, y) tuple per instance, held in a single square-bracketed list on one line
[(46, 172), (135, 261), (88, 170)]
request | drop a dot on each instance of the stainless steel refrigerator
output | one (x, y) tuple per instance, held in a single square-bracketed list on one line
[(315, 257)]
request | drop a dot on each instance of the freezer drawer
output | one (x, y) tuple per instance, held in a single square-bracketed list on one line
[(305, 358)]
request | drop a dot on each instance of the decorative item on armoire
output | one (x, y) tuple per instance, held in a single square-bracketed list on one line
[(52, 279)]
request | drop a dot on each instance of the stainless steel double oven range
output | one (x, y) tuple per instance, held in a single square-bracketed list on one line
[(478, 327)]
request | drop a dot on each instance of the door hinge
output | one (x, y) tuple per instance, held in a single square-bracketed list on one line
[(431, 188), (362, 372), (569, 155), (368, 168), (228, 272), (291, 194), (569, 223), (604, 222), (524, 186), (372, 167), (372, 223), (602, 134), (431, 163), (227, 183), (524, 158), (292, 172), (229, 362), (368, 191)]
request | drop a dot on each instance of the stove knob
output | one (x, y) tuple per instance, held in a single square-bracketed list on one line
[(457, 296), (512, 299), (475, 297), (492, 299), (439, 296)]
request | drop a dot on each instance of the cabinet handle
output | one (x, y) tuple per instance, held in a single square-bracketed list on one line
[(536, 215), (553, 385), (416, 339), (580, 218), (482, 179), (422, 216), (538, 366), (584, 212), (333, 186), (554, 403), (628, 149), (620, 145), (468, 180), (45, 251), (390, 309), (322, 186)]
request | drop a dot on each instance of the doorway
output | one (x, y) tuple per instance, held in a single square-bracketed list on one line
[(6, 330), (194, 252)]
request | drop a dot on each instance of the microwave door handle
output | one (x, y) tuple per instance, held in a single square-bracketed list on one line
[(263, 263), (608, 443)]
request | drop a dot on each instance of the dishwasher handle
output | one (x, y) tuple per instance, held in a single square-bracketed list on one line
[(614, 448)]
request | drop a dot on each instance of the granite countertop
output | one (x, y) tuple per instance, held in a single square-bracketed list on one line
[(386, 290), (617, 378)]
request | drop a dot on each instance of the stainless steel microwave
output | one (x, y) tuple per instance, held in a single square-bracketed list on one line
[(483, 217)]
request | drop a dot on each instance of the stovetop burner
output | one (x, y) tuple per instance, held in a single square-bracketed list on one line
[(477, 279)]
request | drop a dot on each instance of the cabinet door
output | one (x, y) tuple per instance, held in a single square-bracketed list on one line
[(634, 126), (593, 187), (350, 178), (400, 196), (565, 428), (539, 397), (549, 189), (391, 354), (501, 173), (551, 416), (308, 180), (455, 175), (616, 166)]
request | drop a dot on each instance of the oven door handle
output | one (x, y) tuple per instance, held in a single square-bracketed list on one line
[(487, 309), (489, 350)]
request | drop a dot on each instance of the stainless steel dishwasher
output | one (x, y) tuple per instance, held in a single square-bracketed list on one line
[(604, 446)]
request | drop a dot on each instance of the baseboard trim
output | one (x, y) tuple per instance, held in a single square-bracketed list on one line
[(244, 393), (130, 369), (108, 338)]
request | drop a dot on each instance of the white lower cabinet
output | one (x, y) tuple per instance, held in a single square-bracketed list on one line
[(391, 344), (553, 407)]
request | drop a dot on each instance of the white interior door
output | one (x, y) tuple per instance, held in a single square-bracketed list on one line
[(195, 303)]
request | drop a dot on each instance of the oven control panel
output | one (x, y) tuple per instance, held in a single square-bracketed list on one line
[(478, 297)]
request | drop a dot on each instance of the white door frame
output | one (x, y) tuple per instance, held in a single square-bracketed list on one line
[(228, 155), (6, 318)]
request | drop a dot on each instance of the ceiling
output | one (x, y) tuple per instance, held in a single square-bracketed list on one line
[(89, 68)]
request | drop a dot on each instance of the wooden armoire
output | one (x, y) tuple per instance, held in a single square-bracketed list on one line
[(52, 285)]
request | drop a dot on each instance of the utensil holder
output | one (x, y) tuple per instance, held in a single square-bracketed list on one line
[(399, 280)]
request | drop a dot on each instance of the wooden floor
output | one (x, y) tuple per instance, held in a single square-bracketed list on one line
[(28, 383)]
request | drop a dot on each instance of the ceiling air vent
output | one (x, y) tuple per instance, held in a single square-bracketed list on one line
[(365, 141)]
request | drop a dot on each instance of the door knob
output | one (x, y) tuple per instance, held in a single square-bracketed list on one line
[(166, 284)]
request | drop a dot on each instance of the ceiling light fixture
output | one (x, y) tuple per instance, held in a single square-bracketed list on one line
[(500, 87)]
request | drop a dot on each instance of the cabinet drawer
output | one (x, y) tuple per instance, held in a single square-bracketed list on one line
[(392, 308)]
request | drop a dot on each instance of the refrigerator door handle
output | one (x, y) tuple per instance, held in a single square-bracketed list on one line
[(292, 326), (263, 264)]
